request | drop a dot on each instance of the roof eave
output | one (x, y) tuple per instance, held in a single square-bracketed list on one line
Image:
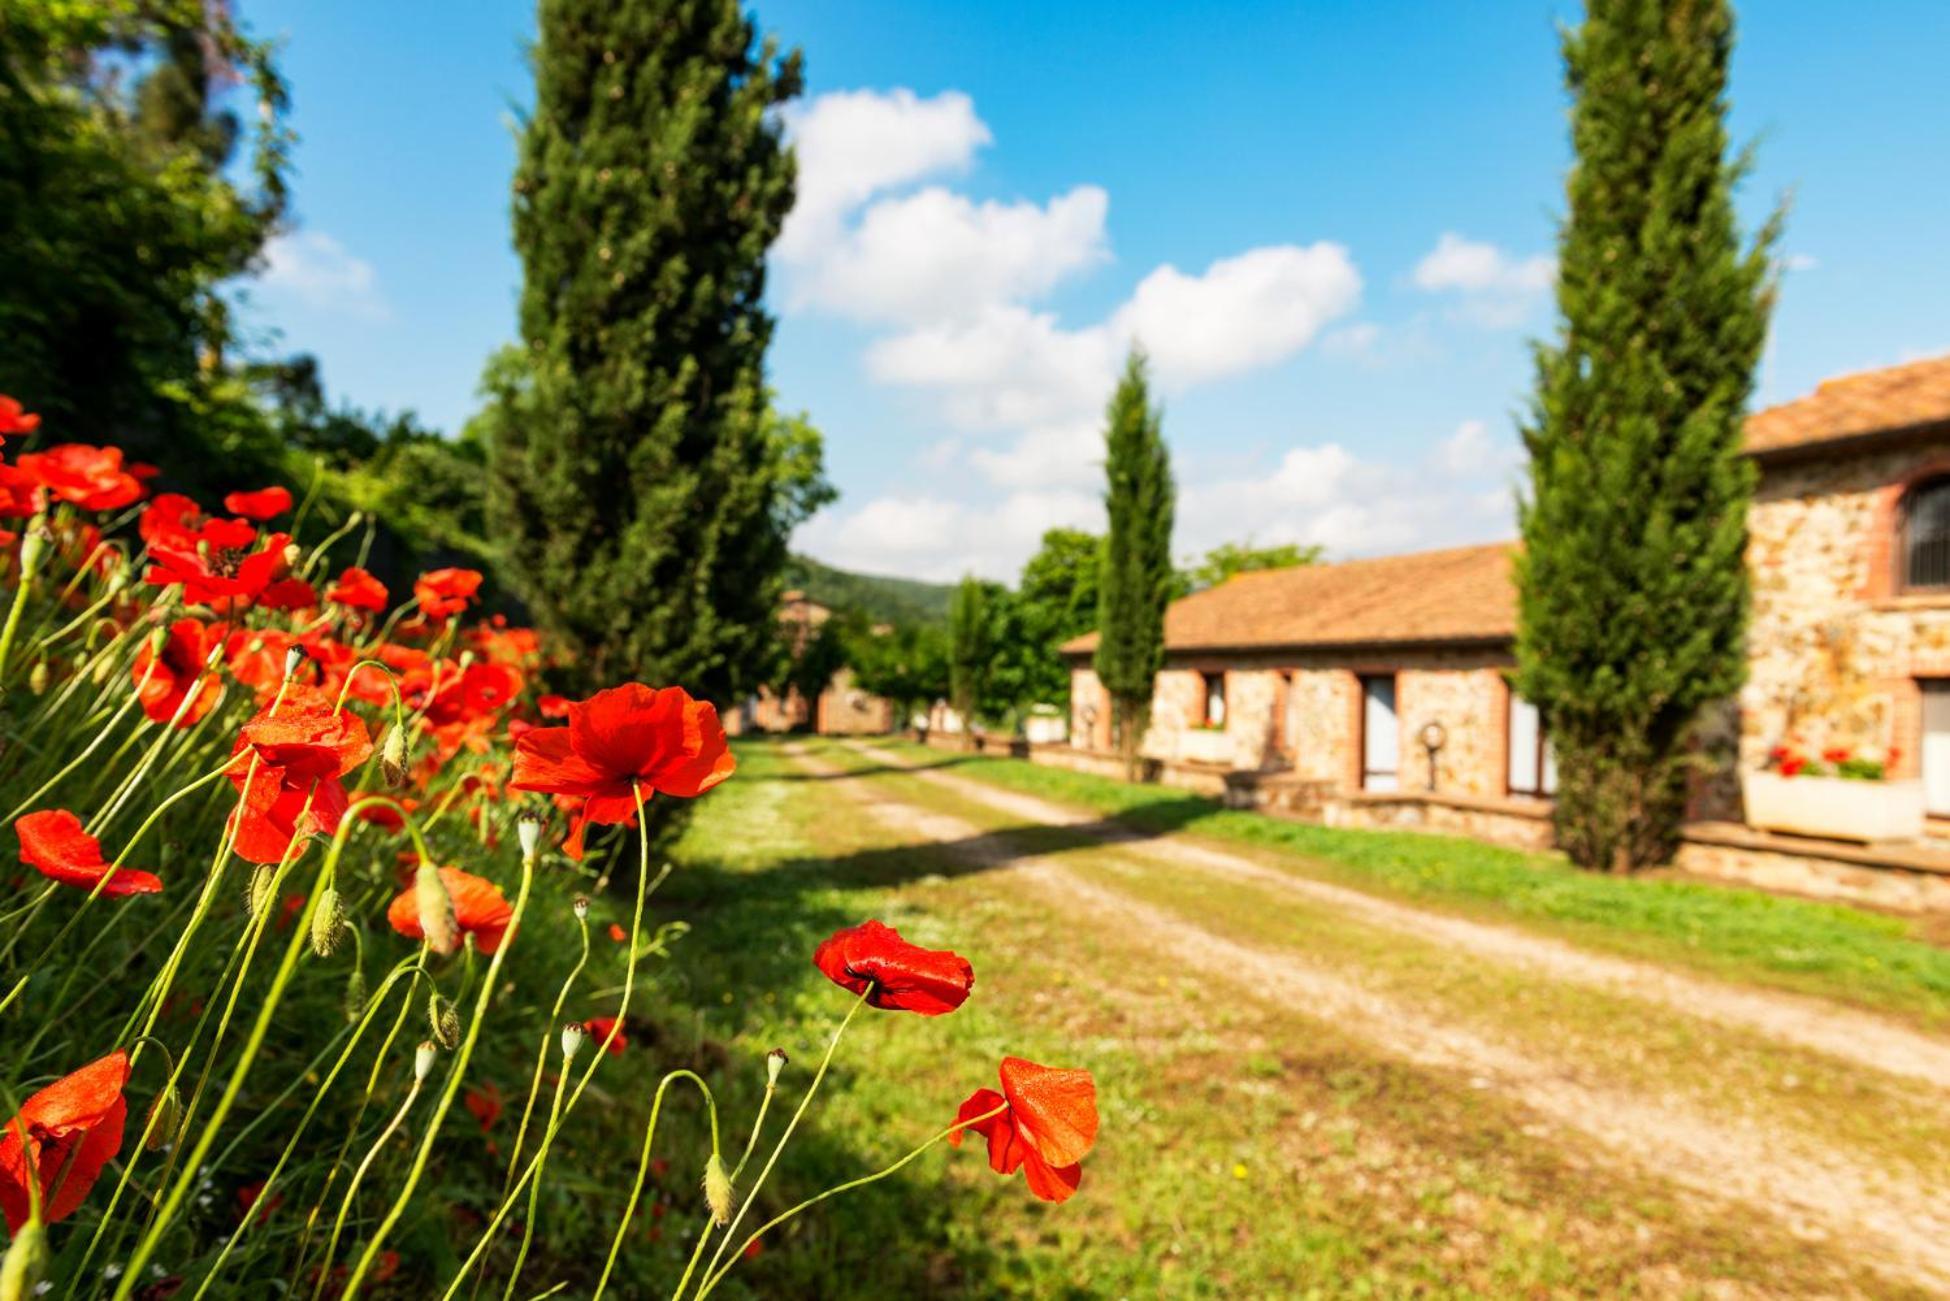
[(1865, 441)]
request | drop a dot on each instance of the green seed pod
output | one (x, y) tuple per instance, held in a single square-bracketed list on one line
[(717, 1190), (436, 908), (355, 993), (24, 1264), (392, 757), (445, 1019), (262, 880), (423, 1061), (37, 678), (165, 1113), (573, 1036), (327, 922)]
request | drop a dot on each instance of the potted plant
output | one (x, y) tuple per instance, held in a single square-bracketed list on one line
[(1839, 792), (1206, 743)]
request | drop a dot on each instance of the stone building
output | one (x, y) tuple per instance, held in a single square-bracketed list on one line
[(842, 709), (1375, 692)]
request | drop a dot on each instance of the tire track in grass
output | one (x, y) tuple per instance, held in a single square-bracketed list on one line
[(1891, 1223), (1858, 1037)]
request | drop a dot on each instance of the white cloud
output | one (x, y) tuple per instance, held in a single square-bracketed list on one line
[(935, 255), (1493, 288), (316, 270), (1800, 262), (943, 538), (854, 144), (1244, 312), (1006, 369)]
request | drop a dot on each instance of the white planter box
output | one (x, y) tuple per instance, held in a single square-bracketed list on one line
[(1198, 745), (1834, 806), (1045, 729)]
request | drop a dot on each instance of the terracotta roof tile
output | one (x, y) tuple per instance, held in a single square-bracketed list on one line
[(1867, 402), (1464, 594)]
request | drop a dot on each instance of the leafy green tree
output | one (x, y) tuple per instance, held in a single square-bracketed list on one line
[(908, 664), (123, 213), (1232, 558), (971, 647), (645, 491), (1633, 591), (1055, 600), (1136, 579)]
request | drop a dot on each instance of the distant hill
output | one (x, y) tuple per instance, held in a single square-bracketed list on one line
[(880, 598)]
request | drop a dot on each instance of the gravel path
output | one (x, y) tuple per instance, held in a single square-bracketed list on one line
[(1816, 1191)]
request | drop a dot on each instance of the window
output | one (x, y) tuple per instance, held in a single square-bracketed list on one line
[(1380, 736), (1936, 747), (1532, 768), (1215, 699), (1926, 536)]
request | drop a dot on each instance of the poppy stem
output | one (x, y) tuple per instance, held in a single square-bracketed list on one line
[(358, 1176), (643, 1170), (535, 1187), (835, 1191), (541, 1056), (786, 1137)]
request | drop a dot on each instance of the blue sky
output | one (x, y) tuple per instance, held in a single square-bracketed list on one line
[(1330, 224)]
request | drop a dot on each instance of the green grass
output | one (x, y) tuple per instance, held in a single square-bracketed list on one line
[(1862, 957)]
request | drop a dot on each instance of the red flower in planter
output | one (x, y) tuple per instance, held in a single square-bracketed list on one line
[(1835, 754), (72, 1129), (301, 752), (16, 419), (90, 477), (265, 503), (903, 977), (480, 909), (53, 843), (446, 591), (601, 1028), (1050, 1125), (358, 589), (179, 673), (617, 740)]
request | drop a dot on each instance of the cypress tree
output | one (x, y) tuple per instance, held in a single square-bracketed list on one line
[(1135, 582), (640, 494), (1633, 590)]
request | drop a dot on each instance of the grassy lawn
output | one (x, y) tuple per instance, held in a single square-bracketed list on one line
[(1870, 959), (1248, 1149)]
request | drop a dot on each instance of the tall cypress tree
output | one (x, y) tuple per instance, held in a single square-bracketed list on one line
[(641, 498), (1633, 592), (1136, 579)]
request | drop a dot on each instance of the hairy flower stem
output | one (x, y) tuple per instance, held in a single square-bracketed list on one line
[(107, 730), (786, 1137), (535, 1185), (643, 1171), (358, 1177), (541, 1056), (773, 1223)]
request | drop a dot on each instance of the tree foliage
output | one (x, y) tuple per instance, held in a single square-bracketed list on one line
[(1135, 583), (1633, 587), (906, 663), (640, 486), (1230, 559), (1055, 600), (971, 645)]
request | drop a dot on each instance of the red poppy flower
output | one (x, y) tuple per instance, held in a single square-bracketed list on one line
[(902, 977), (73, 1128), (90, 477), (171, 517), (21, 497), (480, 909), (446, 591), (301, 752), (265, 503), (617, 933), (251, 1194), (387, 815), (553, 706), (214, 567), (600, 1028), (484, 1103), (289, 594), (1050, 1124), (53, 843), (358, 589), (15, 419), (617, 740), (179, 673)]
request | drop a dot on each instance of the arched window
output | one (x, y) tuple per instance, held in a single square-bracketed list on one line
[(1926, 536)]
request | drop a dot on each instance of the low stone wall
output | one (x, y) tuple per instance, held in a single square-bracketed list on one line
[(1902, 878)]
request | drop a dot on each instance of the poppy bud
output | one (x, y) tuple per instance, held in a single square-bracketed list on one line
[(37, 678), (260, 894), (529, 829), (117, 581), (466, 660), (392, 757), (355, 994), (33, 546), (327, 921), (717, 1189), (581, 907), (292, 659), (436, 909), (774, 1063), (423, 1061), (292, 554), (572, 1036), (445, 1019), (164, 1114), (24, 1264), (158, 641)]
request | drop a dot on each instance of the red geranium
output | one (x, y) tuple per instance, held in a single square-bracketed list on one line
[(72, 1129), (90, 477), (1049, 1126), (358, 589), (179, 673), (901, 977), (480, 909), (301, 752), (15, 419), (265, 503), (618, 740), (53, 843), (446, 591)]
